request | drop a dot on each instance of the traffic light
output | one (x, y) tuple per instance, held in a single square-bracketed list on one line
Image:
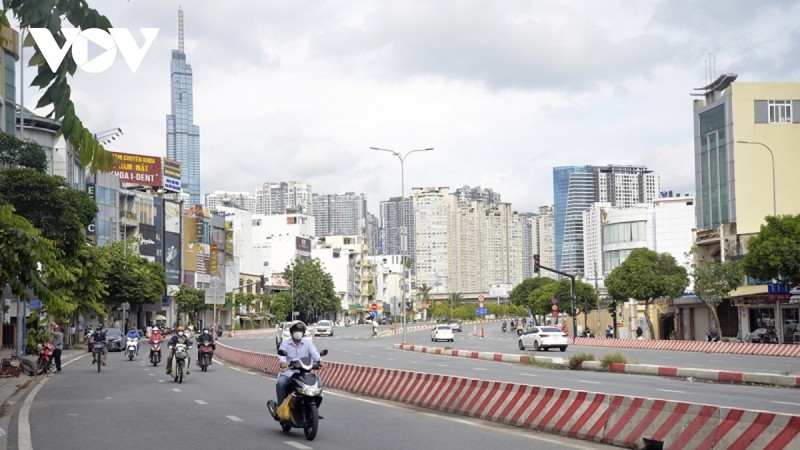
[(535, 263)]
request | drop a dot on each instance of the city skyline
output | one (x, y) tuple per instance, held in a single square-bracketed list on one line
[(283, 100)]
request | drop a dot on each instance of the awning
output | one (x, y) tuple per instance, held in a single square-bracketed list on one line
[(745, 291)]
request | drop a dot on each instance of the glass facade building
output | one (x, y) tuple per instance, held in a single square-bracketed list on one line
[(574, 192), (183, 137)]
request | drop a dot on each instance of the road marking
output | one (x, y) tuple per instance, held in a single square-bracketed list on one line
[(669, 390), (176, 390), (152, 374), (390, 359), (200, 402), (442, 365), (235, 419), (478, 368), (590, 382), (528, 374), (160, 381), (715, 360), (787, 403), (23, 425), (372, 356), (217, 361), (296, 445)]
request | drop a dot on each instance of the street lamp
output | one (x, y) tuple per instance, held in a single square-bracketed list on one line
[(403, 243), (774, 192)]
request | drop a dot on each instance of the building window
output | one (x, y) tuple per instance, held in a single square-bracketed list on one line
[(780, 111)]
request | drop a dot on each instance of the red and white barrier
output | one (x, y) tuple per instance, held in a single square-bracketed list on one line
[(738, 348)]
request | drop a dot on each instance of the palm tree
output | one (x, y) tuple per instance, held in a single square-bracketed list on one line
[(454, 297)]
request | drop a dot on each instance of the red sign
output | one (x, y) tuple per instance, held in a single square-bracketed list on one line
[(138, 169), (373, 307), (480, 298)]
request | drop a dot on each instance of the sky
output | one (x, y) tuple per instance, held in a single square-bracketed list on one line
[(502, 90)]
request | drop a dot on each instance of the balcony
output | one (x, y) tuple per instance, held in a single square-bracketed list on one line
[(128, 218)]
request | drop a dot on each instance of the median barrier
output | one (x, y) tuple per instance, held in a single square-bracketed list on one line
[(738, 348), (619, 420)]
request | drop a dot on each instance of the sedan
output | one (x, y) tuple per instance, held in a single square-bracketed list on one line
[(114, 339), (324, 328), (455, 325), (442, 333), (544, 338)]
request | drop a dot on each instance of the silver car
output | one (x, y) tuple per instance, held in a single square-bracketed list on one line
[(284, 333), (324, 328)]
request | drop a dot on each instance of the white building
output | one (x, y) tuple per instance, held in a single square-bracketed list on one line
[(241, 200), (388, 282), (282, 197), (433, 234)]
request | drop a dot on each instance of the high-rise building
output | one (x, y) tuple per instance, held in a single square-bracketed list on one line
[(9, 45), (282, 197), (183, 137), (433, 234), (337, 214), (372, 234), (540, 240), (486, 195), (391, 214), (577, 187), (239, 200)]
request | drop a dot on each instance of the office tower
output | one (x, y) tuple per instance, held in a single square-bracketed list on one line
[(183, 137), (239, 200), (337, 214), (391, 215), (280, 197)]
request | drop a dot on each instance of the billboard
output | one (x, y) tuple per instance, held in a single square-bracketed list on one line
[(172, 175), (172, 257), (138, 169), (172, 217), (147, 240)]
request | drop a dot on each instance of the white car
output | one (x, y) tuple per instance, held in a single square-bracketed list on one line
[(284, 334), (324, 328), (543, 338), (442, 333)]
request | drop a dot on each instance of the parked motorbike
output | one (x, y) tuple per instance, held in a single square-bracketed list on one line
[(712, 336), (305, 397), (155, 350), (45, 362), (206, 353), (130, 348), (180, 362), (764, 336)]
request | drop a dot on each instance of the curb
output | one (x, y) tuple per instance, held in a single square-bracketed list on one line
[(735, 348)]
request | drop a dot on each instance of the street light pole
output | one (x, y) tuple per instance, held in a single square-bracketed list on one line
[(403, 242), (772, 156)]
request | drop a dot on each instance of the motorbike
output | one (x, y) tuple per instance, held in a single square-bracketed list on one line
[(520, 330), (304, 399), (712, 336), (155, 350), (45, 362), (504, 328), (764, 336), (206, 353), (180, 362), (130, 348)]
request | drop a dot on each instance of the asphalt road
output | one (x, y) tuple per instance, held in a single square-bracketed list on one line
[(355, 345), (134, 404)]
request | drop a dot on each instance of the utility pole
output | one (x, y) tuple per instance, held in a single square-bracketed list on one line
[(537, 266)]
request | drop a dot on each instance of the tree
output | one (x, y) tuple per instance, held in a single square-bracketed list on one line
[(454, 300), (312, 288), (131, 278), (775, 252), (85, 292), (280, 305), (16, 153), (190, 301), (645, 276), (49, 14), (520, 295), (713, 281)]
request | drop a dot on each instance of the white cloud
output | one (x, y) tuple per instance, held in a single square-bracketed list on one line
[(504, 91)]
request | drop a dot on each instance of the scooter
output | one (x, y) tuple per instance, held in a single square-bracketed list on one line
[(155, 350), (305, 397), (180, 362), (712, 336), (45, 362), (206, 354), (504, 327), (130, 348)]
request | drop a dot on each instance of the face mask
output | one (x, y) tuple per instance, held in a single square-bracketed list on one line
[(297, 335), (180, 333)]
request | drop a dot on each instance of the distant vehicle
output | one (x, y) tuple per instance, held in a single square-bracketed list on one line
[(455, 325), (285, 334), (543, 338), (114, 339), (442, 333), (324, 328)]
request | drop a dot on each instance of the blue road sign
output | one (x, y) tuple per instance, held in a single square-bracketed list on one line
[(35, 304), (481, 310)]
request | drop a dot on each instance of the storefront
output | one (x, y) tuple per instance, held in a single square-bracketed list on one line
[(760, 313)]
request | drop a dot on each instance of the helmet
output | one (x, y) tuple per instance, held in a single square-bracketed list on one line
[(205, 331), (180, 328), (298, 326), (155, 329)]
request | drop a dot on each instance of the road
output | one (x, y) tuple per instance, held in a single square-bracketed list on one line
[(131, 403), (355, 346)]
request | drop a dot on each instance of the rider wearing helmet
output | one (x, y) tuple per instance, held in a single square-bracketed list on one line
[(99, 337), (179, 338), (295, 348), (205, 337)]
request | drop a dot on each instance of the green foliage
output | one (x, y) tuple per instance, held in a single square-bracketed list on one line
[(50, 15), (714, 280), (775, 252), (131, 278), (50, 204), (89, 268), (576, 359), (521, 292), (540, 299), (15, 153), (613, 358), (190, 301), (280, 306), (312, 288)]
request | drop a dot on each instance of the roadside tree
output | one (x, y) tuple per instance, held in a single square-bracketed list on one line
[(312, 288), (774, 253)]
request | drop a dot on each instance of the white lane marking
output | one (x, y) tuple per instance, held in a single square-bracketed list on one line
[(390, 359), (715, 360), (478, 368), (590, 382), (217, 361), (235, 419), (372, 356), (200, 402), (176, 390), (787, 403), (23, 424), (528, 374), (296, 445), (413, 362), (669, 390), (160, 381), (152, 374), (442, 365)]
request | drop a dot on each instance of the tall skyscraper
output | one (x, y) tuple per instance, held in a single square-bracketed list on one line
[(278, 197), (183, 137), (336, 214), (390, 226)]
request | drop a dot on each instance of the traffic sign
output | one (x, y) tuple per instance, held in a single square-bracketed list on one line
[(480, 298), (480, 304), (373, 307), (481, 311)]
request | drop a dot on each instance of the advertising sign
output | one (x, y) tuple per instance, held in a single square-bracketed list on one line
[(172, 217), (172, 258), (172, 175), (212, 260), (303, 245), (138, 169), (147, 240)]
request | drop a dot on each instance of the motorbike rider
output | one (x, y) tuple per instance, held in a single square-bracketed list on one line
[(295, 348), (99, 337), (179, 338), (133, 333), (203, 338), (505, 326)]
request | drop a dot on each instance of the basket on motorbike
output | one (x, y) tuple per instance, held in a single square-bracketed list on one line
[(284, 411), (180, 353)]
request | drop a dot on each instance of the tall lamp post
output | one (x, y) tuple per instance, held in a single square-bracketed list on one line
[(774, 191), (403, 242)]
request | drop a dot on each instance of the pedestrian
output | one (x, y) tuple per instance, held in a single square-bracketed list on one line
[(58, 342), (639, 333), (72, 335), (609, 332)]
